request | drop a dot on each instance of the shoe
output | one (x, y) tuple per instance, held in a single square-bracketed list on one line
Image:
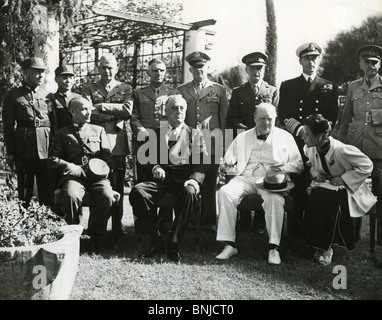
[(173, 253), (326, 260), (274, 257), (227, 253), (94, 243), (156, 248)]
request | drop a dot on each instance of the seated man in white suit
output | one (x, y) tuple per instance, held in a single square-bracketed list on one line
[(253, 153)]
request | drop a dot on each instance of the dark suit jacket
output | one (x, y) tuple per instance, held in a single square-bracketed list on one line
[(178, 161), (298, 101), (67, 149), (244, 101)]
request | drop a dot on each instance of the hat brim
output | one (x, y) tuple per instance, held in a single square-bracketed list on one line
[(371, 58), (256, 64), (260, 184), (310, 54)]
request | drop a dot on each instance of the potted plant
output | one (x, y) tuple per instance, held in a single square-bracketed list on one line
[(39, 252)]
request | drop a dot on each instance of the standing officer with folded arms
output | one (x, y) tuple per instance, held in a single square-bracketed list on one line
[(113, 105), (207, 108), (27, 131), (299, 98)]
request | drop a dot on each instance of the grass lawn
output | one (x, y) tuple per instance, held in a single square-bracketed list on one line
[(118, 275)]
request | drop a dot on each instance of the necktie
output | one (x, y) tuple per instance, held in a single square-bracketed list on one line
[(309, 80), (255, 89), (171, 138), (199, 88), (368, 82), (157, 91)]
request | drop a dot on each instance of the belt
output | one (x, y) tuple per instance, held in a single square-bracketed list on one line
[(33, 123)]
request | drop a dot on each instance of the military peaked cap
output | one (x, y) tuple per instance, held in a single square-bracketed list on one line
[(255, 58), (197, 57), (308, 49), (64, 70), (33, 63), (370, 52)]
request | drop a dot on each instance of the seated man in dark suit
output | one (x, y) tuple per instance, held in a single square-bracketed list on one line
[(72, 149), (175, 168)]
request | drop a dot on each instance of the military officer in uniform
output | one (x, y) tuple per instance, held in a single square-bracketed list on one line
[(27, 130), (73, 147), (299, 98), (148, 112), (246, 97), (64, 77), (113, 105), (149, 105), (361, 121), (207, 108)]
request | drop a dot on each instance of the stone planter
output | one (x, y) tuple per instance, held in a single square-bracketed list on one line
[(43, 272)]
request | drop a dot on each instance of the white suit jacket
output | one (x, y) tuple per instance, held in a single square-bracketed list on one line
[(285, 151), (353, 166)]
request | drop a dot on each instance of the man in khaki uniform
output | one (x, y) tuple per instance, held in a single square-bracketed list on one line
[(148, 112), (113, 105), (361, 121), (27, 130), (207, 108)]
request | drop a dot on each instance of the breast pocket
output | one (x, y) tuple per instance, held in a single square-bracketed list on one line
[(357, 100), (377, 100)]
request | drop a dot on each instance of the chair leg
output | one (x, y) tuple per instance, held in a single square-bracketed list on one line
[(198, 226), (372, 232)]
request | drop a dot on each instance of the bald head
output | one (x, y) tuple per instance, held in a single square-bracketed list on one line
[(265, 117), (81, 109)]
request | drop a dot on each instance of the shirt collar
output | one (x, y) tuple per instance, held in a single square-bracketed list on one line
[(177, 129), (258, 84), (312, 76)]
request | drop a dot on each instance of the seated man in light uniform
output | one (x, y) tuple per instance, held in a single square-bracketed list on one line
[(253, 152)]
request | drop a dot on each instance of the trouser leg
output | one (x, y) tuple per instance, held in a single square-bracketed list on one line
[(229, 197), (101, 194), (274, 215), (183, 211), (72, 192)]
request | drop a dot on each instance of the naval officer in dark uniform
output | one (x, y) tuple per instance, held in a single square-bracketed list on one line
[(245, 98), (27, 131), (299, 98)]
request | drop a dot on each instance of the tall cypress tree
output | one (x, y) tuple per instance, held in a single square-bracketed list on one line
[(271, 42)]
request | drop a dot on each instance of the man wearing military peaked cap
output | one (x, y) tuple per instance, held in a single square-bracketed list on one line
[(33, 63), (308, 49), (255, 59), (300, 97), (245, 98), (207, 107), (64, 69), (27, 130), (370, 52), (361, 119), (197, 57)]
